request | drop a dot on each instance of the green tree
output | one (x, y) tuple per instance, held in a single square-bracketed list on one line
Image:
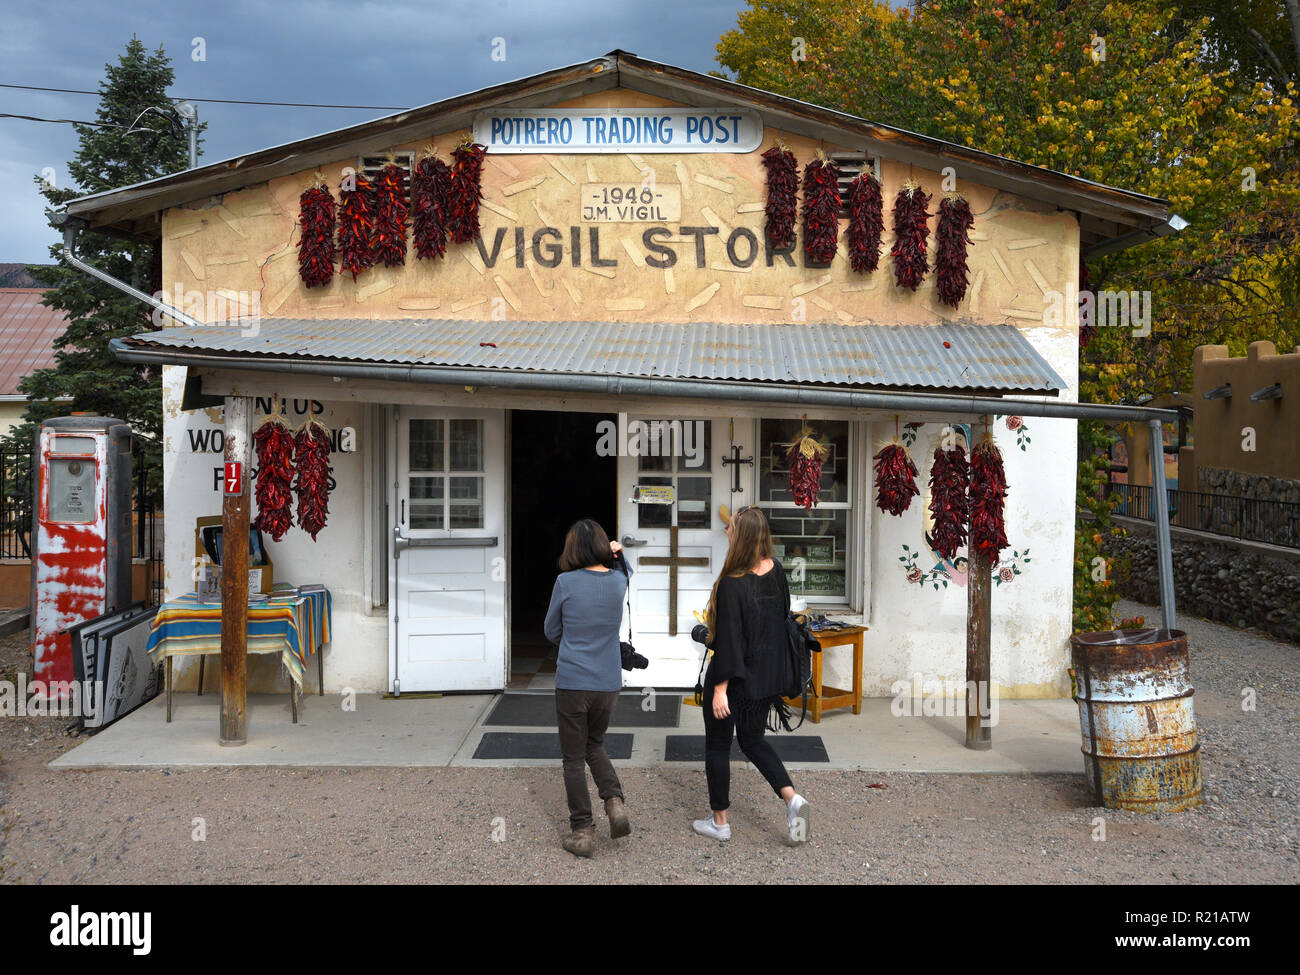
[(136, 140), (1143, 94)]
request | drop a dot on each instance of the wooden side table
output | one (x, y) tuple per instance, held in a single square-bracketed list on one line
[(828, 698)]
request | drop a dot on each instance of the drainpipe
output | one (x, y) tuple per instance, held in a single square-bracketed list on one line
[(1160, 510), (71, 226)]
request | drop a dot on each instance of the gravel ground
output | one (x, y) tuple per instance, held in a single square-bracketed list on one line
[(437, 825)]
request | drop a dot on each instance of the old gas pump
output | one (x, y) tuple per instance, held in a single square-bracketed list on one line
[(81, 550)]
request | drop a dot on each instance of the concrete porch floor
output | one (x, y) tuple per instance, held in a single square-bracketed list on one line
[(1032, 736)]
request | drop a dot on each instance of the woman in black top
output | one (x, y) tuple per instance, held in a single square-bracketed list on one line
[(746, 620)]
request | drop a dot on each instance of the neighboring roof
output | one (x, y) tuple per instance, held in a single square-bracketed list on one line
[(16, 276), (1106, 213), (988, 358), (28, 330)]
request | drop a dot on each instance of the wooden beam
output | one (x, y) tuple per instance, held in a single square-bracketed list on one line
[(234, 578), (979, 629)]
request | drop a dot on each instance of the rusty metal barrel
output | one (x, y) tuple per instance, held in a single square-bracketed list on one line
[(1134, 692)]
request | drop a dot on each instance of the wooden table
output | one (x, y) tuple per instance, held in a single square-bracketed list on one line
[(827, 698), (291, 626)]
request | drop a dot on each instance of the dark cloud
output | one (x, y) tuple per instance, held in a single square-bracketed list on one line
[(396, 53)]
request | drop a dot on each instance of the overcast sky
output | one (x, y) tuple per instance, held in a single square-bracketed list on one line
[(397, 53)]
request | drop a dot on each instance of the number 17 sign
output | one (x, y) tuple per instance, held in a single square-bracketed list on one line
[(234, 477)]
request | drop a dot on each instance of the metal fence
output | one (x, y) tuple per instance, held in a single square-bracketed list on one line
[(16, 516), (15, 505), (1249, 519)]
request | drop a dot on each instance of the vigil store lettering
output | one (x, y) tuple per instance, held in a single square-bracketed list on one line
[(551, 247)]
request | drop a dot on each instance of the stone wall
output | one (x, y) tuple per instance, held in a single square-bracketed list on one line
[(1215, 480), (1239, 583)]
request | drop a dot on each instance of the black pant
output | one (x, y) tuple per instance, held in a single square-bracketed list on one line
[(749, 728), (583, 717)]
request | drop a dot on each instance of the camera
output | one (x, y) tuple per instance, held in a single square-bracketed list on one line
[(631, 659), (700, 634)]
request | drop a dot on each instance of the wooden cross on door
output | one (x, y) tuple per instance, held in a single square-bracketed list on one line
[(673, 560)]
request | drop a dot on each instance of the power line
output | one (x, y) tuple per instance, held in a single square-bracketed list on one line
[(219, 101), (70, 121)]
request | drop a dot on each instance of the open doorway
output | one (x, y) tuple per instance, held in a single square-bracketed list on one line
[(556, 478)]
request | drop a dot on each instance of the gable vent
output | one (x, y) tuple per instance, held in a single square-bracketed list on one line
[(850, 164), (372, 166)]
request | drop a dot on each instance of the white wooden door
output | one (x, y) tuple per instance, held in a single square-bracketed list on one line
[(688, 459), (448, 551)]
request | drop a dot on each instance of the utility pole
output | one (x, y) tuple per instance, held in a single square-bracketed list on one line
[(190, 113)]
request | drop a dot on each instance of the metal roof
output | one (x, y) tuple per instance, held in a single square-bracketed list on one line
[(948, 357), (28, 331)]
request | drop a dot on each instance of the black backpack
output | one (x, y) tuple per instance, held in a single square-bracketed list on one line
[(801, 645)]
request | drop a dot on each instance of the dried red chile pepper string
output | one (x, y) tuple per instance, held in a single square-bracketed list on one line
[(988, 494), (806, 456), (866, 223), (311, 457), (821, 210), (895, 479), (782, 196), (274, 444), (910, 232), (430, 185), (955, 221), (356, 225), (316, 248), (388, 241), (949, 479), (466, 193)]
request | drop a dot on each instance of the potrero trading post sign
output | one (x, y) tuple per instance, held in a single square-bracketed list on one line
[(620, 130)]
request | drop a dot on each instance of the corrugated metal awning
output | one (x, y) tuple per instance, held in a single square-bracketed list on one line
[(991, 358)]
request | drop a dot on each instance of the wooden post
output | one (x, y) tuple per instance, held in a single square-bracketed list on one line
[(979, 626), (234, 579), (979, 587)]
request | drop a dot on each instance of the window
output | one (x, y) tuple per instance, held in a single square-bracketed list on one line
[(446, 474), (813, 543), (674, 453)]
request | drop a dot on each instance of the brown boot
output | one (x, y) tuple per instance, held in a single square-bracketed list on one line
[(581, 842), (618, 822)]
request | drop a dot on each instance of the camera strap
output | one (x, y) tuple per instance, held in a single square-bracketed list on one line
[(622, 564)]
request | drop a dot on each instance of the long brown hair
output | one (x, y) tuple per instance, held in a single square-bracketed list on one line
[(751, 543)]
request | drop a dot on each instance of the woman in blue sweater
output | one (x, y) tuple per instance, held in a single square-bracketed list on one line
[(583, 618)]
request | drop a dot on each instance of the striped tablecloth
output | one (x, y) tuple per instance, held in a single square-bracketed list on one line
[(293, 626)]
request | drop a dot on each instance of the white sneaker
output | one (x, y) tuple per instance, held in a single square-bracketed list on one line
[(707, 827), (796, 819)]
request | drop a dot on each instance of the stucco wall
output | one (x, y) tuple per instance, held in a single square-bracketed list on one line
[(1236, 434)]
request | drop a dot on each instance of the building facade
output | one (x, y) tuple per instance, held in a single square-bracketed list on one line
[(586, 348)]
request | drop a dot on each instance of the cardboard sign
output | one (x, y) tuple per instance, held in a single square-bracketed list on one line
[(654, 494)]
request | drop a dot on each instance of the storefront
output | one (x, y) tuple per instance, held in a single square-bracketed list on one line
[(585, 352)]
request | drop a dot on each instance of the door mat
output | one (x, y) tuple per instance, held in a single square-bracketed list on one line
[(533, 744), (538, 711), (788, 748)]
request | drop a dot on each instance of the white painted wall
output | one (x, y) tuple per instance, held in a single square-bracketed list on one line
[(358, 652)]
